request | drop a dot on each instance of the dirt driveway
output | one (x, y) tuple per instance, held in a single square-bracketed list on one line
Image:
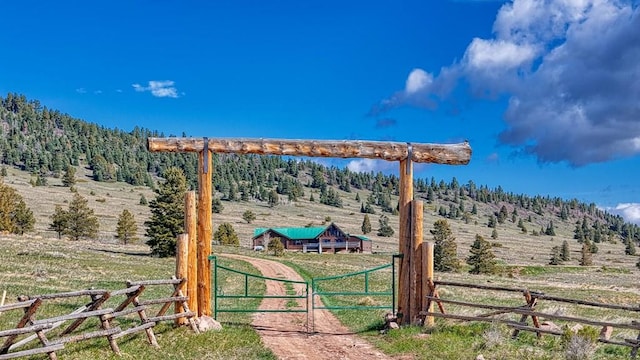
[(285, 333)]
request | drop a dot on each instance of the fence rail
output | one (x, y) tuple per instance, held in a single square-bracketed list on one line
[(528, 310)]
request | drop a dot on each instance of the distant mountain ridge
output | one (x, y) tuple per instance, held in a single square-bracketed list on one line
[(44, 142)]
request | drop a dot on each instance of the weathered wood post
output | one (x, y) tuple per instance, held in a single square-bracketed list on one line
[(204, 230), (182, 261), (449, 154), (190, 225), (404, 242), (428, 277), (418, 279)]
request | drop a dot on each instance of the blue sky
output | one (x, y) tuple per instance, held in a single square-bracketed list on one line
[(546, 92)]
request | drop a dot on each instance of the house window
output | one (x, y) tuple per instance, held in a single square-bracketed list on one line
[(297, 242)]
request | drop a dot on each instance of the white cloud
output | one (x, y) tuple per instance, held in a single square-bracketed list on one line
[(629, 211), (163, 88), (81, 90), (571, 70), (368, 165)]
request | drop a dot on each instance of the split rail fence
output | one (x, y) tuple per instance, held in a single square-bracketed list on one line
[(612, 332), (45, 325)]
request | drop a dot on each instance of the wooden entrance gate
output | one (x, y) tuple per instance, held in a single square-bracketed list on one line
[(412, 289)]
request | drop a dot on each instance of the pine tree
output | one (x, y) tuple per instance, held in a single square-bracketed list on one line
[(494, 234), (275, 245), (167, 214), (80, 219), (482, 260), (273, 198), (126, 228), (15, 217), (216, 205), (445, 257), (58, 221), (630, 248), (69, 177), (248, 216), (556, 257), (226, 235), (23, 218), (586, 259), (143, 200), (565, 254), (550, 229), (385, 229), (366, 224)]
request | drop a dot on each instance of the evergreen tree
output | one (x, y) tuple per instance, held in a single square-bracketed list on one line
[(482, 260), (385, 229), (275, 245), (216, 205), (80, 219), (565, 254), (143, 200), (15, 216), (58, 221), (69, 177), (357, 196), (556, 257), (226, 235), (550, 229), (126, 229), (630, 248), (474, 209), (248, 216), (586, 259), (273, 198), (311, 198), (494, 234), (366, 224), (23, 218), (638, 264), (167, 214), (492, 222), (445, 257)]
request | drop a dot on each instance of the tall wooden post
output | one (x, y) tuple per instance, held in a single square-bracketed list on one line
[(428, 276), (418, 268), (190, 224), (182, 259), (405, 247), (204, 231)]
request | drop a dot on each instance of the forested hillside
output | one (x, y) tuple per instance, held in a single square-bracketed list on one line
[(45, 142)]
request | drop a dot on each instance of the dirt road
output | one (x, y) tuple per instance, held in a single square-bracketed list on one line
[(286, 333)]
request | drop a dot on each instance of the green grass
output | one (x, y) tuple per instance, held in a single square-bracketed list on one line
[(37, 266)]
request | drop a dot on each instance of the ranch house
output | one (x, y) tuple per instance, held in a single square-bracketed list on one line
[(313, 239)]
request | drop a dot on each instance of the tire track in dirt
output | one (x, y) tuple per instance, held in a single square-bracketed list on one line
[(286, 333)]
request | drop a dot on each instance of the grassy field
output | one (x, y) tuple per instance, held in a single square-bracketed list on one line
[(40, 263)]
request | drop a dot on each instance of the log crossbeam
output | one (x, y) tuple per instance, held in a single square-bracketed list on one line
[(449, 154)]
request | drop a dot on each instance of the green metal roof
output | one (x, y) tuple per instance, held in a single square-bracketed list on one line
[(362, 237), (294, 233)]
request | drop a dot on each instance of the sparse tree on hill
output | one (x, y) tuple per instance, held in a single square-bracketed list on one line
[(638, 264), (167, 214), (366, 224), (58, 221), (494, 234), (248, 216), (273, 198), (565, 254), (143, 200), (630, 247), (69, 177), (492, 222), (482, 260), (216, 205), (445, 256), (550, 230), (81, 221), (556, 258), (385, 229), (126, 228), (275, 245), (586, 259), (226, 235), (15, 216)]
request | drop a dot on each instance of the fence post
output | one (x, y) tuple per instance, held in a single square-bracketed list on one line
[(182, 260), (418, 268), (190, 224), (404, 240), (428, 277), (204, 230)]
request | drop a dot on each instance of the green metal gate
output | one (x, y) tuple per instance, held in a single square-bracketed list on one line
[(321, 287)]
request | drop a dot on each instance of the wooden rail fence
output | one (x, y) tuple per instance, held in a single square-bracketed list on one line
[(127, 316), (532, 299)]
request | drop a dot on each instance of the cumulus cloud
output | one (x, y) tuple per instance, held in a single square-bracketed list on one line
[(368, 165), (629, 211), (571, 72), (81, 90), (163, 88)]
